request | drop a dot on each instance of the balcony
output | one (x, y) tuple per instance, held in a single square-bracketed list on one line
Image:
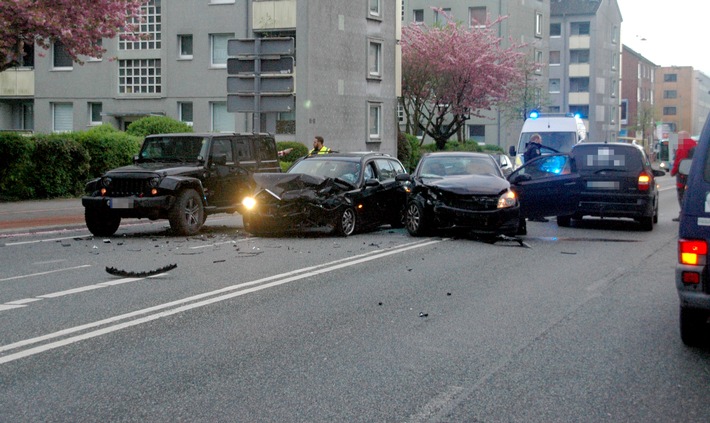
[(578, 98), (274, 15), (579, 42), (17, 82), (579, 70)]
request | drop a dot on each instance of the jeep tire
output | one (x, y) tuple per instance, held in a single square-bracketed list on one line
[(187, 214), (101, 223)]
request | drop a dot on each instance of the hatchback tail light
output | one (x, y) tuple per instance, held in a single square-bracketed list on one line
[(644, 182)]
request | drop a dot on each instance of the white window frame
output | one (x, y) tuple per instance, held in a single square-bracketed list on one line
[(220, 118), (414, 15), (374, 64), (559, 60), (91, 106), (559, 83), (181, 116), (149, 25), (376, 11), (374, 122), (216, 42), (181, 54), (222, 1), (538, 24), (62, 117)]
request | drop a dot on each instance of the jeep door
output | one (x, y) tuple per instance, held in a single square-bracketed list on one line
[(227, 178), (547, 186)]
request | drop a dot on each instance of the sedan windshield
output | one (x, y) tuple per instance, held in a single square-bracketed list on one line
[(451, 166), (184, 149), (347, 170)]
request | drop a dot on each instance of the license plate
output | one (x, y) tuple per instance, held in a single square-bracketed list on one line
[(603, 184), (120, 203)]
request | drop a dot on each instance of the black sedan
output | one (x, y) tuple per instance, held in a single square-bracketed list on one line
[(342, 193), (462, 191)]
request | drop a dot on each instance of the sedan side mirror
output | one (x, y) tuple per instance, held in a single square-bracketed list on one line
[(520, 178)]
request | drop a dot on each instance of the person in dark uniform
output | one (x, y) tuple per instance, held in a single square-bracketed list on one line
[(533, 149)]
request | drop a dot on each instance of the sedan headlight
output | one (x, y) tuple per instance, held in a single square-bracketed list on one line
[(249, 203), (507, 200)]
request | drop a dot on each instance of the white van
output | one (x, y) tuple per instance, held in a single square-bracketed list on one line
[(559, 132)]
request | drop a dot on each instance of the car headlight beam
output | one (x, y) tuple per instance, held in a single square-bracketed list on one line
[(249, 203)]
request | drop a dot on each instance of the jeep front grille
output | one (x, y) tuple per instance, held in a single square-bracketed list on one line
[(125, 187)]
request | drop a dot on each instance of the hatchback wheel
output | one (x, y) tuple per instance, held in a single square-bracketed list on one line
[(345, 225), (415, 219)]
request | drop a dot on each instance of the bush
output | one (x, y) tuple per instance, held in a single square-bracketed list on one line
[(16, 166), (416, 152), (157, 125), (108, 149), (299, 150), (404, 149), (64, 166), (465, 146)]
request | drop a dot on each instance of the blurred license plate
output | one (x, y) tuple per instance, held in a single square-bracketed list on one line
[(603, 184), (120, 203)]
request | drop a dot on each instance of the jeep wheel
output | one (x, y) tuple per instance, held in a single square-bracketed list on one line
[(101, 224), (345, 225), (693, 326), (187, 214)]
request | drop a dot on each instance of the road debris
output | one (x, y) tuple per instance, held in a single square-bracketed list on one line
[(131, 274)]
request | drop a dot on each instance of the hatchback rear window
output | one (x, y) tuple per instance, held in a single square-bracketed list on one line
[(594, 158)]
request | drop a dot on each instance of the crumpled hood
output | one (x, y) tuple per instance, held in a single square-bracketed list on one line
[(296, 185), (165, 169), (468, 184)]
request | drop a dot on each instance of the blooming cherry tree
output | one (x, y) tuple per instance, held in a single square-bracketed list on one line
[(451, 72), (78, 24)]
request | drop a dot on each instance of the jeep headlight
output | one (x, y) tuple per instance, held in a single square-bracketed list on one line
[(249, 203), (106, 182), (507, 200), (154, 182)]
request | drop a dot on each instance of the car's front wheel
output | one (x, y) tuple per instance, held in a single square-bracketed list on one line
[(693, 326), (415, 219), (187, 214), (101, 224), (346, 222)]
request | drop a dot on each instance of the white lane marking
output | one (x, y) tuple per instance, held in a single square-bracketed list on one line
[(71, 291), (48, 262), (37, 241), (241, 289), (44, 273), (220, 243), (25, 301)]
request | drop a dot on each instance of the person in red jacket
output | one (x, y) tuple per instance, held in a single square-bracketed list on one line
[(684, 151)]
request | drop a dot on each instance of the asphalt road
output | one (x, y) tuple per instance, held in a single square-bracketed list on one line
[(574, 324)]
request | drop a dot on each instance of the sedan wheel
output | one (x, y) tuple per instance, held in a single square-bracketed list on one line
[(415, 219), (345, 225)]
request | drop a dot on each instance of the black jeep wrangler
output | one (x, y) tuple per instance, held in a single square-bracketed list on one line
[(180, 177)]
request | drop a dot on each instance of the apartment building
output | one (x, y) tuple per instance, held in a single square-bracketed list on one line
[(526, 22), (346, 73), (637, 114), (683, 98), (584, 63)]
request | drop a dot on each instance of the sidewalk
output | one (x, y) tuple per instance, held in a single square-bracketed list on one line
[(38, 214)]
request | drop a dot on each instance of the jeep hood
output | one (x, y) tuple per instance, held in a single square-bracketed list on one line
[(468, 184), (165, 169)]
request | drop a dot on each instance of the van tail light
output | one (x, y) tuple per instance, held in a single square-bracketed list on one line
[(644, 182), (692, 252)]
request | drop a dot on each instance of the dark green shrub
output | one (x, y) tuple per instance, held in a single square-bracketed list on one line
[(62, 166), (404, 149), (16, 166), (416, 152), (157, 125), (299, 150), (108, 149)]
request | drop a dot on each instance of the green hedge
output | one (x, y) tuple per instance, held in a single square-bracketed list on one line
[(16, 166), (108, 148), (61, 166), (157, 125)]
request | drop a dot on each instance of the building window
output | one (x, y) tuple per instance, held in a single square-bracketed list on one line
[(218, 47), (375, 8), (555, 30), (401, 117), (553, 109), (669, 111), (623, 112), (185, 112), (538, 24), (614, 34), (477, 17), (62, 117), (60, 57), (222, 120), (581, 110), (670, 77), (614, 60), (418, 15), (441, 18), (477, 133), (374, 59), (374, 121), (554, 57), (579, 85), (579, 56), (95, 110), (554, 85), (139, 76), (579, 28), (614, 84), (149, 27), (185, 45), (670, 94)]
